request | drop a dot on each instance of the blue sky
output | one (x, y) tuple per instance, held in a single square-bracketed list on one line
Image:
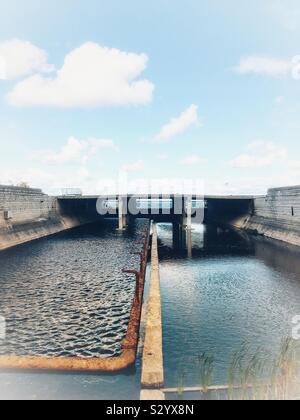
[(206, 89)]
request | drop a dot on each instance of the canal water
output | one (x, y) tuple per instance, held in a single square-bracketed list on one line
[(223, 290), (66, 295)]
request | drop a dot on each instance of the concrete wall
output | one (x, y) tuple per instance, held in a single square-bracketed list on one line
[(24, 204), (27, 214), (277, 215)]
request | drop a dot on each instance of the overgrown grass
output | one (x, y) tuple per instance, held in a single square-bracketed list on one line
[(206, 368), (252, 375), (180, 384), (255, 377)]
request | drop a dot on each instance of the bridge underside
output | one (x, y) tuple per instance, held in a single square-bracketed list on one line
[(162, 209)]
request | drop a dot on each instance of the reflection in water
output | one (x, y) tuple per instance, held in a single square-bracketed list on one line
[(225, 289)]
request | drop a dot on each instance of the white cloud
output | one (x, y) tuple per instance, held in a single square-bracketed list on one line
[(267, 66), (21, 58), (75, 151), (192, 160), (91, 76), (260, 154), (138, 166), (178, 125)]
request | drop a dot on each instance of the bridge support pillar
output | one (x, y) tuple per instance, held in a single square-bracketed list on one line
[(177, 235), (122, 210), (187, 213), (189, 243)]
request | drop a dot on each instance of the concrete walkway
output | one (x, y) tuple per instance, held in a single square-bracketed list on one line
[(152, 366)]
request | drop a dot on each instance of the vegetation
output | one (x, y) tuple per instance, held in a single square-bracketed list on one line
[(206, 367), (180, 386), (253, 376)]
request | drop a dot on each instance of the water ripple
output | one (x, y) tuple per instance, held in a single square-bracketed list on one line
[(66, 295)]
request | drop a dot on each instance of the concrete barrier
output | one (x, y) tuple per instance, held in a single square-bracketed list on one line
[(152, 366), (276, 216), (27, 214), (156, 395)]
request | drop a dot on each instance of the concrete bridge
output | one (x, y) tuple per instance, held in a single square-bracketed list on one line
[(27, 214), (172, 208)]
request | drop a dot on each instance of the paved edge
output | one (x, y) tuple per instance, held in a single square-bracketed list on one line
[(152, 365), (148, 395)]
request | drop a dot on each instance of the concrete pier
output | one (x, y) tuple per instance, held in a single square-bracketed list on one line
[(189, 209), (122, 214), (187, 213), (152, 366)]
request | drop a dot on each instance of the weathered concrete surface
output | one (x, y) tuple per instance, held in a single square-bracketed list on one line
[(275, 216), (24, 204), (28, 214), (149, 395), (16, 234), (152, 366)]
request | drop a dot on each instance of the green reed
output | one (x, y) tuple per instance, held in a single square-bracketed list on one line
[(253, 375)]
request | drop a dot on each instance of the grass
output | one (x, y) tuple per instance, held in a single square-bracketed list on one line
[(253, 376), (257, 378), (180, 384), (206, 368)]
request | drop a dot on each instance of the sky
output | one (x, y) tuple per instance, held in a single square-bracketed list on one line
[(94, 90)]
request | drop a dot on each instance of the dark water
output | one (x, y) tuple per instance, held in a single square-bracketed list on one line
[(226, 290), (78, 274), (67, 296), (219, 288)]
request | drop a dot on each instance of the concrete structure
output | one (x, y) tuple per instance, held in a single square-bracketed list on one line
[(19, 205), (152, 395), (275, 216), (152, 365), (28, 214), (187, 215), (179, 209), (122, 213)]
